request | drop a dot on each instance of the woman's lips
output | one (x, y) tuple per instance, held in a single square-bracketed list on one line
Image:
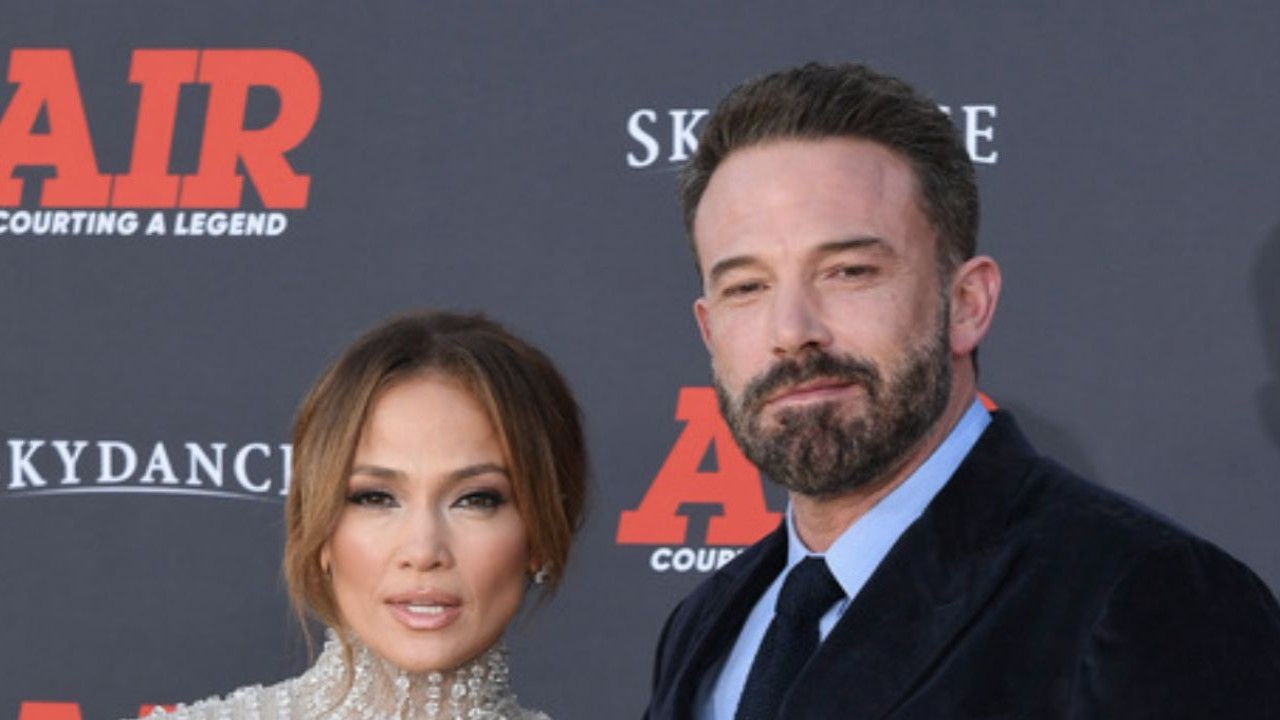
[(425, 611)]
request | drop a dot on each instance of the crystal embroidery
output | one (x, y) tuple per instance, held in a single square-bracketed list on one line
[(374, 690)]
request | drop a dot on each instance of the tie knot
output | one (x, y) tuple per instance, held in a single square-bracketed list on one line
[(808, 591)]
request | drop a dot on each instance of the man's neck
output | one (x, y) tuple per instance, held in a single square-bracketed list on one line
[(819, 521)]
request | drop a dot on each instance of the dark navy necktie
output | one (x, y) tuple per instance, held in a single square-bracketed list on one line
[(808, 592)]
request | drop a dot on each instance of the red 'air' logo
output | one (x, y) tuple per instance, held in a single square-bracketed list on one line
[(47, 84), (67, 711), (734, 485)]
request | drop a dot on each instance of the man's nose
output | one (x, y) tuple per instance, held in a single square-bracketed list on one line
[(798, 323), (423, 541)]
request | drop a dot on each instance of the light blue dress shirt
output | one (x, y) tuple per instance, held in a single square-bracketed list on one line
[(852, 558)]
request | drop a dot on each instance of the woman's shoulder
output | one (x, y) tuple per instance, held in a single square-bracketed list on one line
[(277, 702), (252, 702), (368, 687)]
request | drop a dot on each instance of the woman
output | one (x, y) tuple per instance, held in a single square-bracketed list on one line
[(438, 471)]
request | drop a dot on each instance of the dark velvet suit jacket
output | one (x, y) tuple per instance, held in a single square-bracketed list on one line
[(1021, 592)]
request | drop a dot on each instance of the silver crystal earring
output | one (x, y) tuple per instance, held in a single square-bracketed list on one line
[(542, 575)]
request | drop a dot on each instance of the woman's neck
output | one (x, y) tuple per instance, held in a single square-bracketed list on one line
[(371, 686)]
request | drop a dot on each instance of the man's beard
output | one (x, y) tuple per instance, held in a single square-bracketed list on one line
[(815, 450)]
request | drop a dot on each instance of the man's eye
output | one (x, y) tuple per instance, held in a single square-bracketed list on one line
[(743, 288), (853, 271), (480, 500), (372, 498)]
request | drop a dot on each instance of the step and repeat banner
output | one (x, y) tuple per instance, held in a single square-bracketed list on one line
[(201, 204)]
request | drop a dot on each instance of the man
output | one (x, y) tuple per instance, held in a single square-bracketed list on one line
[(956, 573)]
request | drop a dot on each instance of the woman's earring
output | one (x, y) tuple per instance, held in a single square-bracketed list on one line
[(542, 575)]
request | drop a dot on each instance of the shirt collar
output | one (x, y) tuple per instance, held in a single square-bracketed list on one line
[(857, 552)]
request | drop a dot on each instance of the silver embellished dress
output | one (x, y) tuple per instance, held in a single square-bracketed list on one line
[(378, 690)]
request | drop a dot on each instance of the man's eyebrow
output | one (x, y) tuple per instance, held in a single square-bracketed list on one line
[(730, 263), (862, 242)]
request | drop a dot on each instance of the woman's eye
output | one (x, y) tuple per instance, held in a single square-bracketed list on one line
[(480, 500), (372, 498)]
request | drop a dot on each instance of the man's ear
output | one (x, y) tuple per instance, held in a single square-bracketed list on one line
[(704, 324), (975, 290)]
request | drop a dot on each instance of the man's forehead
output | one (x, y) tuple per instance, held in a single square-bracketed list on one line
[(852, 155), (826, 191)]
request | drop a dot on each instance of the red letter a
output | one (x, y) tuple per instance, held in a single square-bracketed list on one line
[(46, 78), (735, 485), (48, 711), (230, 74)]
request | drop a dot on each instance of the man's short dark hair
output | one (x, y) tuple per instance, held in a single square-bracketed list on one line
[(818, 101)]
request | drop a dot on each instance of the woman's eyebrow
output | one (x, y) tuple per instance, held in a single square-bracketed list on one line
[(478, 469), (377, 471), (385, 473)]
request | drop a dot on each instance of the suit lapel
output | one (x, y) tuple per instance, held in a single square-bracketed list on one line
[(723, 619), (933, 581)]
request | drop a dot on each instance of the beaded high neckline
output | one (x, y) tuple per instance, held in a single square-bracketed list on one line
[(371, 688), (478, 690)]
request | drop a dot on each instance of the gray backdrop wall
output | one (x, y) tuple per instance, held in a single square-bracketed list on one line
[(519, 158)]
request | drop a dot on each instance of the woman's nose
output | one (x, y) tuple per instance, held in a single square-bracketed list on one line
[(424, 541)]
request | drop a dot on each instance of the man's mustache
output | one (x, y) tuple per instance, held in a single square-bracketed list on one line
[(812, 366)]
